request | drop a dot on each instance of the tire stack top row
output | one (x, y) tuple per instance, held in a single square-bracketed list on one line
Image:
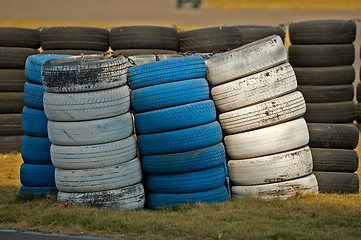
[(16, 44), (322, 55), (261, 114), (178, 135), (90, 127)]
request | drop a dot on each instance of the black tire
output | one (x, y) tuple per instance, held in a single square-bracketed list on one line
[(358, 112), (87, 38), (210, 39), (11, 102), (322, 32), (134, 52), (84, 73), (15, 57), (254, 33), (321, 55), (12, 80), (334, 160), (10, 144), (337, 182), (71, 52), (358, 92), (336, 75), (324, 94), (144, 37), (19, 37), (341, 112), (342, 136), (10, 125)]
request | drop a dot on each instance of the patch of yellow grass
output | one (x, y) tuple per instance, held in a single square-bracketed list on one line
[(10, 169), (284, 4)]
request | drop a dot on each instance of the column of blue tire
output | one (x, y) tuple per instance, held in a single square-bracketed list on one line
[(37, 171), (179, 138)]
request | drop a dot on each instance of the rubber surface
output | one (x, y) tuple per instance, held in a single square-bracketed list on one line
[(15, 57), (337, 182), (338, 112), (34, 122), (335, 75), (11, 102), (33, 95), (35, 150), (327, 94), (12, 80), (334, 160), (19, 37), (10, 124), (36, 175)]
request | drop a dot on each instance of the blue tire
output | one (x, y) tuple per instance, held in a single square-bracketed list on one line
[(33, 65), (182, 140), (188, 182), (35, 150), (169, 94), (36, 175), (185, 161), (33, 95), (34, 122), (43, 191), (161, 200), (166, 71)]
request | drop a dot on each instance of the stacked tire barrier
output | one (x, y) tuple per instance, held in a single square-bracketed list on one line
[(143, 40), (37, 171), (74, 40), (91, 130), (261, 115), (322, 55), (224, 38), (178, 135), (16, 44)]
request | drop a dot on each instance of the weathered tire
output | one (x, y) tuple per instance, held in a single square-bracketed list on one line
[(34, 122), (187, 182), (161, 200), (139, 59), (36, 175), (271, 112), (11, 102), (93, 156), (12, 80), (327, 94), (246, 60), (87, 105), (35, 150), (10, 125), (334, 160), (43, 191), (339, 112), (149, 37), (322, 32), (143, 52), (169, 94), (75, 38), (282, 190), (166, 71), (254, 33), (358, 92), (34, 63), (182, 140), (10, 144), (269, 140), (324, 135), (358, 112), (185, 161), (72, 52), (272, 168), (99, 179), (337, 182), (33, 95), (19, 37), (256, 88), (123, 199), (173, 118), (336, 75), (15, 57), (84, 73), (90, 132), (321, 55)]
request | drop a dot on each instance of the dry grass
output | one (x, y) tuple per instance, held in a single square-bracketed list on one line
[(285, 4)]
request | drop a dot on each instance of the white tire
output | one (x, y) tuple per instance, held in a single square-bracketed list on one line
[(90, 132), (246, 60), (283, 190), (123, 199), (269, 140), (256, 88), (272, 168), (99, 179), (264, 114), (93, 156), (87, 105)]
